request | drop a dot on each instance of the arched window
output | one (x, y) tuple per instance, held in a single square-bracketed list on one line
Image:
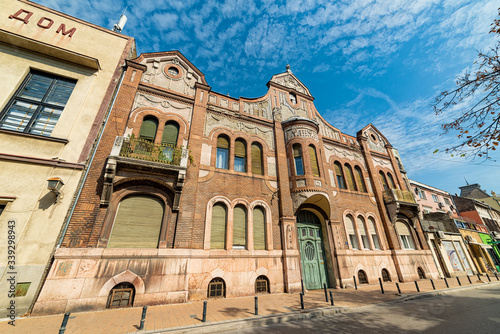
[(240, 156), (137, 223), (350, 178), (169, 139), (259, 228), (218, 228), (359, 179), (222, 153), (373, 232), (148, 128), (391, 181), (362, 232), (362, 278), (383, 180), (351, 232), (122, 295), (421, 274), (314, 160), (385, 276), (404, 235), (217, 288), (340, 175), (262, 284), (297, 157), (239, 227), (256, 151)]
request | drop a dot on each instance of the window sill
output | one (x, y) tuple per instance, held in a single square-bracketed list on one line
[(30, 135)]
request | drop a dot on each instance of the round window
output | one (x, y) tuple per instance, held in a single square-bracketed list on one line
[(173, 71), (373, 137)]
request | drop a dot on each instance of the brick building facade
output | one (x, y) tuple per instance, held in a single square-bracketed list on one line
[(194, 194)]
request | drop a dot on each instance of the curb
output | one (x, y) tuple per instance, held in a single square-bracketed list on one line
[(267, 320)]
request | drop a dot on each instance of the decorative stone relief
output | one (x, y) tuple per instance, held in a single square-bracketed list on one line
[(300, 131), (261, 109), (317, 183), (375, 145), (301, 183), (219, 121), (331, 150), (236, 106), (224, 103), (290, 81), (156, 75), (289, 234), (326, 130), (271, 166), (144, 100), (289, 111), (382, 163), (212, 99), (109, 176), (277, 115)]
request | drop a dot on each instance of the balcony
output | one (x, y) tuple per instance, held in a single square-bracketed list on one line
[(145, 150), (397, 195)]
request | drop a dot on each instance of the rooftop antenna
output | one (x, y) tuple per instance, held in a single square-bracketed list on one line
[(118, 27), (466, 181)]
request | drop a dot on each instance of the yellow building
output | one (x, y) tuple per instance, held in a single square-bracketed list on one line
[(58, 77), (477, 249)]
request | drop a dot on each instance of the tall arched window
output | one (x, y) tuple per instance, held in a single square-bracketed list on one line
[(314, 160), (137, 222), (350, 178), (359, 179), (222, 153), (239, 227), (362, 232), (259, 228), (148, 128), (256, 151), (340, 175), (373, 232), (383, 180), (391, 181), (405, 235), (218, 228), (169, 139), (297, 157), (240, 156), (351, 232)]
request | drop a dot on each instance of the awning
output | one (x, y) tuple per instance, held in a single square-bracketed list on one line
[(481, 245)]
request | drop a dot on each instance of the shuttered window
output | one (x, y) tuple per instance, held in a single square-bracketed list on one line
[(373, 232), (351, 232), (297, 157), (222, 160), (314, 160), (259, 228), (383, 180), (239, 227), (391, 181), (340, 176), (170, 134), (362, 232), (359, 179), (148, 128), (240, 154), (257, 159), (137, 223), (218, 229), (350, 178), (405, 235)]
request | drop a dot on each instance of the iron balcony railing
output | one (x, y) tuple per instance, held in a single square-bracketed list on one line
[(146, 150), (393, 195)]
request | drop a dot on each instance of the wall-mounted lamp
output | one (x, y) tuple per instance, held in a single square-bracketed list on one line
[(54, 185)]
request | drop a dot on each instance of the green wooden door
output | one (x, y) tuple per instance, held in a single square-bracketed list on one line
[(312, 256)]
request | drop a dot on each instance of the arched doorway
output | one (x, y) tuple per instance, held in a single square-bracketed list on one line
[(312, 251)]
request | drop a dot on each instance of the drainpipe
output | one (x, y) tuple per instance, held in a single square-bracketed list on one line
[(75, 199)]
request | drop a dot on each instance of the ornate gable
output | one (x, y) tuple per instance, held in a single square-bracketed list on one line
[(376, 140), (289, 80)]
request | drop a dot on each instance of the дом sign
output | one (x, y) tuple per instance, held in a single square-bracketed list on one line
[(44, 22)]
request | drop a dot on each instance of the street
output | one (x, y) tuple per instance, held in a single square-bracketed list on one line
[(470, 311)]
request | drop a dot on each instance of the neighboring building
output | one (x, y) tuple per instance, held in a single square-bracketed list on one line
[(57, 78), (482, 214), (274, 194), (431, 199)]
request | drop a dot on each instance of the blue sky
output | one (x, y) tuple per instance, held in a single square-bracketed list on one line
[(364, 61)]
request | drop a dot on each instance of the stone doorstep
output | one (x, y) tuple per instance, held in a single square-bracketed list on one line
[(261, 321)]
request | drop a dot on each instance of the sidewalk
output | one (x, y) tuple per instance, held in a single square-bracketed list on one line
[(167, 317)]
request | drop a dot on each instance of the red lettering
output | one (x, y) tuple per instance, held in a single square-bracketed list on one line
[(20, 12), (46, 25), (62, 29)]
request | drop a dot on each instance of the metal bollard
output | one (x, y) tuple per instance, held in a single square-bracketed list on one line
[(204, 311), (143, 317), (302, 284), (301, 300), (496, 276), (488, 277), (64, 323), (331, 297), (355, 285), (458, 280), (397, 286), (381, 285), (478, 277), (416, 284), (433, 286), (326, 293), (446, 282), (468, 277), (256, 305)]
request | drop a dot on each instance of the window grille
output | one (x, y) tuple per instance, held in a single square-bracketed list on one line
[(262, 284), (216, 288)]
